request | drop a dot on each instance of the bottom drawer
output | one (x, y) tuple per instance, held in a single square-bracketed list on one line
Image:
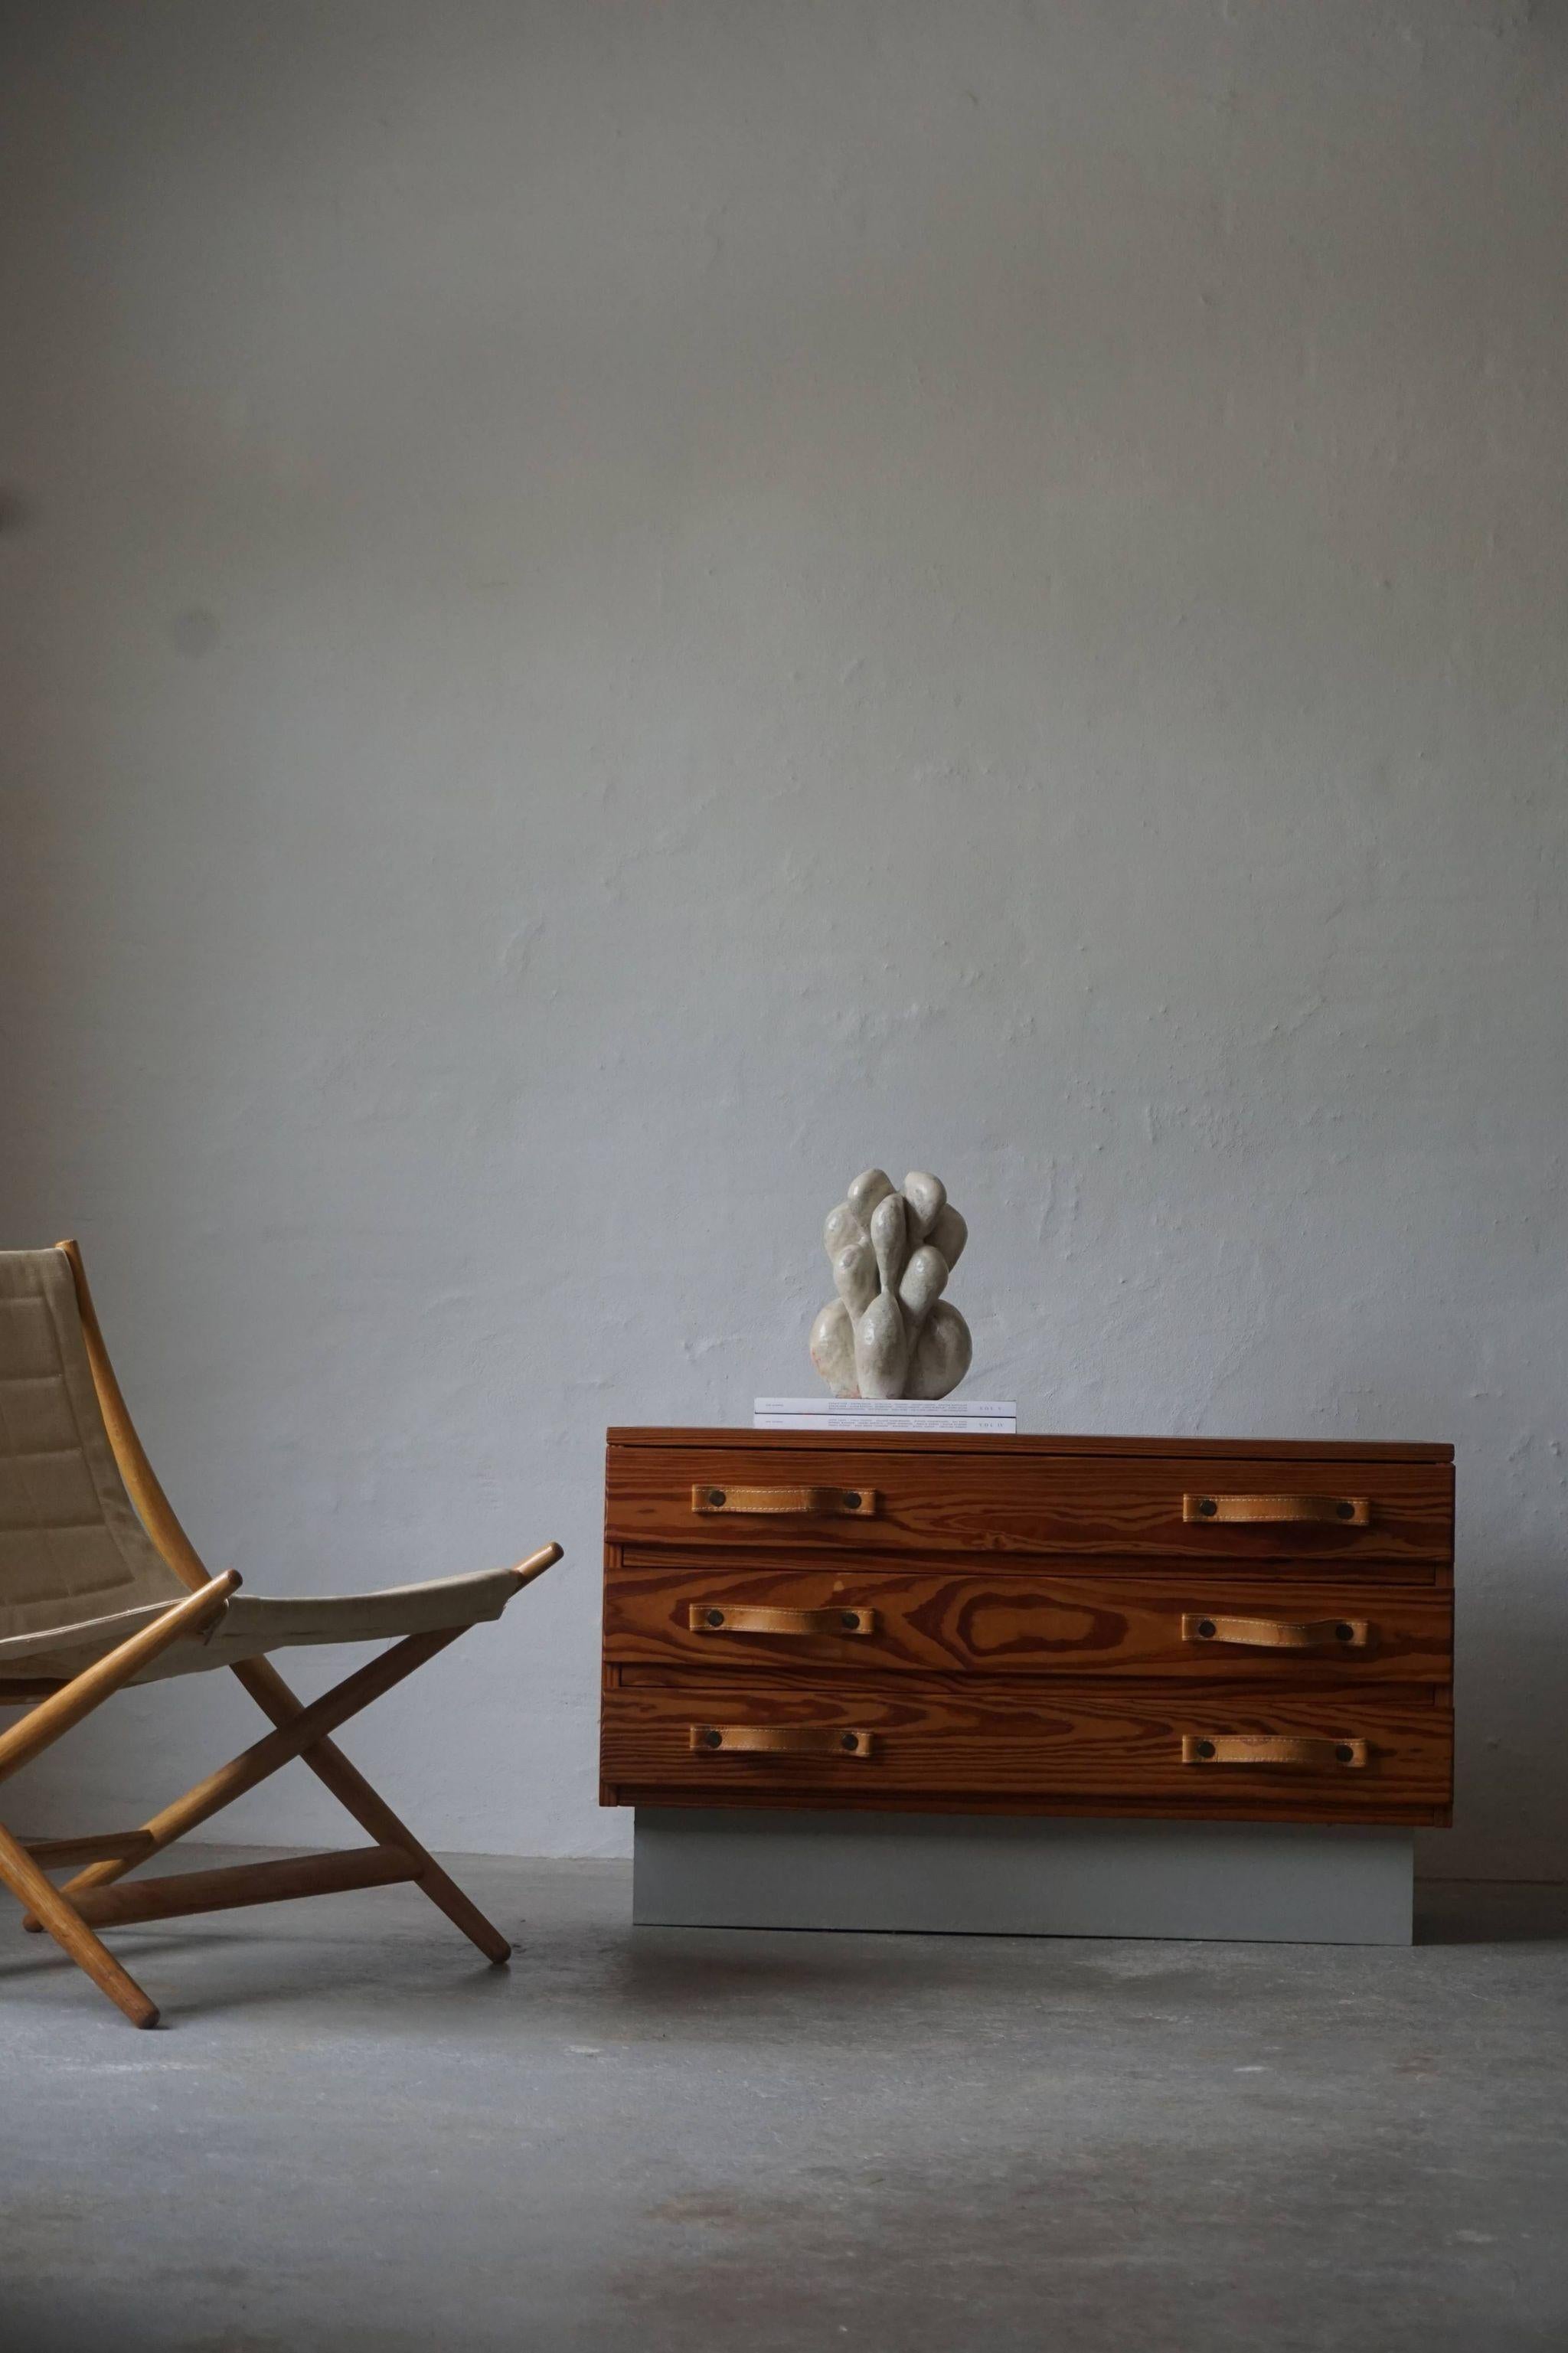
[(1361, 1754)]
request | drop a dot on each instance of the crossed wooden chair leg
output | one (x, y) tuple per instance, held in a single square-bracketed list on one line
[(92, 1900)]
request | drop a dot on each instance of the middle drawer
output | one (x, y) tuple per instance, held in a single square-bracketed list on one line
[(1273, 1629)]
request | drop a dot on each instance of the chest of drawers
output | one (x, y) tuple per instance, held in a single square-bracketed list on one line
[(1142, 1627)]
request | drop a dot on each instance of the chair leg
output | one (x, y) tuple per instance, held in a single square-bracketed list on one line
[(22, 1875), (353, 1792), (266, 1756), (297, 1734)]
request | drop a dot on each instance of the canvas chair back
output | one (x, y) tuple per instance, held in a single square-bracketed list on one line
[(72, 1546)]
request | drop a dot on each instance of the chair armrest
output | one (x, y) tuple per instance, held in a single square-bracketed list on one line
[(535, 1566)]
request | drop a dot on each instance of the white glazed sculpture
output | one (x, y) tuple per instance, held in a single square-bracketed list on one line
[(891, 1332)]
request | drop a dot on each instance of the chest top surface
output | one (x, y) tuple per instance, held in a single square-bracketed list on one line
[(1276, 1449)]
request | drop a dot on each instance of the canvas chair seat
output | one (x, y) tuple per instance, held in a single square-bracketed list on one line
[(101, 1587), (251, 1624)]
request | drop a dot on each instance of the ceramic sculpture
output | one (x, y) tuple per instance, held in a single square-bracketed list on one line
[(891, 1332)]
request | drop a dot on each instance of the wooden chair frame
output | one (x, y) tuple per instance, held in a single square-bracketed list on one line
[(91, 1900)]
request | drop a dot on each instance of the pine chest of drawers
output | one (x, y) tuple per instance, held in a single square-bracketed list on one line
[(1209, 1629)]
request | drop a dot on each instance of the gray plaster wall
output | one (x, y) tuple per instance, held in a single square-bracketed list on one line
[(613, 611)]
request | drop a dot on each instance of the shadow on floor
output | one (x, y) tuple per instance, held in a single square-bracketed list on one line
[(1490, 1912)]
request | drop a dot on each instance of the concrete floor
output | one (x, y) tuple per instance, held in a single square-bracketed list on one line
[(348, 2135)]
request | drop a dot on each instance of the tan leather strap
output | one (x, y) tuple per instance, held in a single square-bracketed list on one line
[(1279, 1634), (1263, 1510), (724, 1617), (781, 1739), (802, 1502), (1269, 1748)]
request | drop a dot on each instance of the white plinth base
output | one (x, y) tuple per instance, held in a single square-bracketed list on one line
[(1013, 1875)]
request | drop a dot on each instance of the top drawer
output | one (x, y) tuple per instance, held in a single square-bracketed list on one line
[(980, 1498)]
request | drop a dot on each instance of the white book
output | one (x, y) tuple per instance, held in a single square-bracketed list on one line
[(874, 1409), (948, 1425)]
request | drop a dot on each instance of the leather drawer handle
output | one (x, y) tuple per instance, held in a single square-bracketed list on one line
[(1265, 1511), (781, 1739), (1279, 1634), (721, 1618), (1269, 1748), (802, 1502)]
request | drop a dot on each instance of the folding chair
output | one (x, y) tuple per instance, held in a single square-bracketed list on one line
[(100, 1587)]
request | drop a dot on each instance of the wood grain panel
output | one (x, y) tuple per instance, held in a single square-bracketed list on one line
[(1028, 1620), (1116, 1748), (1006, 1504)]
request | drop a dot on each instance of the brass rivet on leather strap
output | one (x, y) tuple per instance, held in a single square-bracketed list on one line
[(1205, 1629), (1207, 1506), (715, 1617)]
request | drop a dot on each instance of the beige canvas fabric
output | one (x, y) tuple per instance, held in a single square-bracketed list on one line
[(71, 1546), (79, 1572), (252, 1625)]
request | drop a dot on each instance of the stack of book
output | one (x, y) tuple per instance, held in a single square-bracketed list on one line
[(973, 1417)]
